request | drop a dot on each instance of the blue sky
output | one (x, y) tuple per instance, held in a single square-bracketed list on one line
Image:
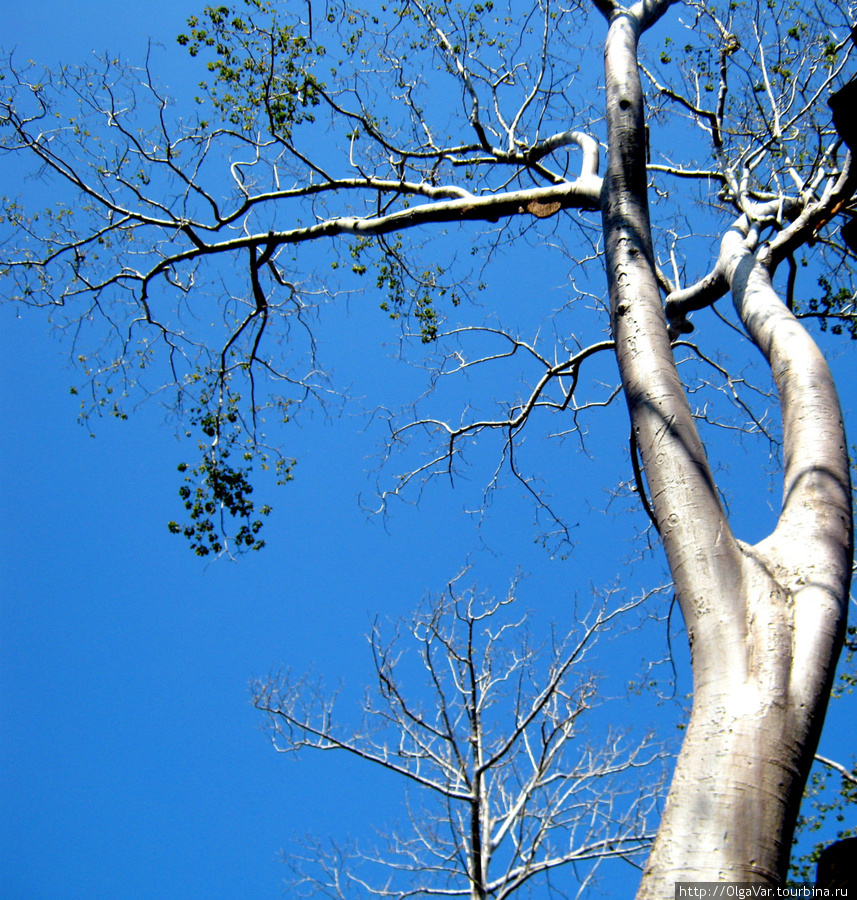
[(133, 764)]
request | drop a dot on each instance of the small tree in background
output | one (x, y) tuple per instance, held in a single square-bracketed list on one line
[(509, 786)]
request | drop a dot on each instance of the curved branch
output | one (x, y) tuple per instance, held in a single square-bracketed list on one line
[(581, 194), (837, 767)]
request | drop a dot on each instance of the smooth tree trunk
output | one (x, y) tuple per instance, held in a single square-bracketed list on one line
[(766, 622)]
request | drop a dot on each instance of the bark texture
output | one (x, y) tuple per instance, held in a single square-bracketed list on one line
[(765, 622), (765, 649)]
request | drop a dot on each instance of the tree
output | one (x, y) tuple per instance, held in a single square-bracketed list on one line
[(771, 176), (511, 789)]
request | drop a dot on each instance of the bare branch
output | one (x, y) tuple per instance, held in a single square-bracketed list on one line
[(499, 745)]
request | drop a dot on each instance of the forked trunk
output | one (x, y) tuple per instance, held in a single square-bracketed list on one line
[(765, 623), (762, 675)]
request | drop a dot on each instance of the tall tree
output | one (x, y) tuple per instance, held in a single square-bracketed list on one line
[(299, 150)]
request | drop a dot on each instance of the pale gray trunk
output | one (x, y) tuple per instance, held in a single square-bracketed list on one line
[(762, 672), (765, 623)]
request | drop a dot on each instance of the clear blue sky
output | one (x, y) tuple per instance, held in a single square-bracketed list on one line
[(133, 765)]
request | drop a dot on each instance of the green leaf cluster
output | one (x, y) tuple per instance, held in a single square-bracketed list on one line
[(836, 308), (408, 292), (216, 489), (260, 68)]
